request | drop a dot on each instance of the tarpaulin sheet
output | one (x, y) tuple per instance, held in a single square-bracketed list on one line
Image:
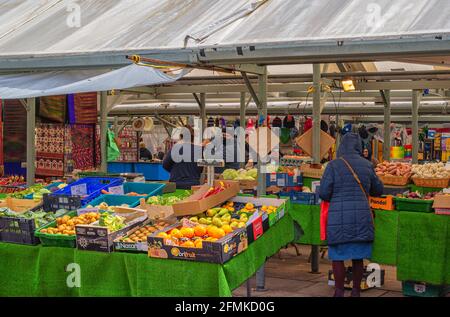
[(77, 81)]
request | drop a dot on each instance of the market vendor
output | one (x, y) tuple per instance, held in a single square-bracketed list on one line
[(185, 173), (144, 153), (346, 184)]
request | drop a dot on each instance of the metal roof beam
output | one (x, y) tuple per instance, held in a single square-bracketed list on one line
[(404, 85)]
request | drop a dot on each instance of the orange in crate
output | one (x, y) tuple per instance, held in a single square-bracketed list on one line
[(383, 203)]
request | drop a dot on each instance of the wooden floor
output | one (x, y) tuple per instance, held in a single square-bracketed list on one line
[(288, 275)]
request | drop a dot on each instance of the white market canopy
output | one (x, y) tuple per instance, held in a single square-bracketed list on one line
[(218, 31), (77, 81)]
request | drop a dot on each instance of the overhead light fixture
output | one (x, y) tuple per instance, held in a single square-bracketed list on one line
[(348, 85)]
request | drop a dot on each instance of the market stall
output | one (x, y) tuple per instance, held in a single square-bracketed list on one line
[(42, 268)]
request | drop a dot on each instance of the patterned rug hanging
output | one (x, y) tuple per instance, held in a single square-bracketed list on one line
[(50, 149), (53, 108)]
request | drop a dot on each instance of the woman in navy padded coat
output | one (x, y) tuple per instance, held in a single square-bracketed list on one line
[(350, 227)]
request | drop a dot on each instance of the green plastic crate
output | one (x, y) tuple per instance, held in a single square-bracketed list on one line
[(417, 289), (56, 240), (416, 205)]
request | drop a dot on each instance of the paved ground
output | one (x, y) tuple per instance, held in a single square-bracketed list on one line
[(287, 275)]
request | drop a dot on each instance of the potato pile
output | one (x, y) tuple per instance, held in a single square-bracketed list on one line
[(141, 234), (393, 169), (66, 224), (430, 170)]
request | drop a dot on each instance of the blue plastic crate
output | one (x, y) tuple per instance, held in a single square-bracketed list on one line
[(150, 189), (302, 198), (283, 180), (93, 186), (49, 187), (115, 200)]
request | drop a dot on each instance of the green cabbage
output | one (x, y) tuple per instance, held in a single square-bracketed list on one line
[(230, 174)]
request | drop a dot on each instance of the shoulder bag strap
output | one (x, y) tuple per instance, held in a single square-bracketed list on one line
[(356, 177)]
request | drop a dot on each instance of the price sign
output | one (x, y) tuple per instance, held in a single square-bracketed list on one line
[(79, 190), (117, 190)]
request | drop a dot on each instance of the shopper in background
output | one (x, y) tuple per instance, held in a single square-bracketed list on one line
[(160, 154), (187, 172), (144, 153), (346, 184), (368, 156)]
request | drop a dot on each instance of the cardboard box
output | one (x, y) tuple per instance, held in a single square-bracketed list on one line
[(96, 238), (348, 284), (305, 142), (272, 218), (19, 205), (193, 205), (219, 252), (120, 245), (441, 202)]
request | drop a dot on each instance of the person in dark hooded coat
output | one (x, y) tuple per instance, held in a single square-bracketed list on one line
[(350, 227)]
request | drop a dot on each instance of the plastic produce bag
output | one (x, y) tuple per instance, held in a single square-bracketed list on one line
[(113, 149)]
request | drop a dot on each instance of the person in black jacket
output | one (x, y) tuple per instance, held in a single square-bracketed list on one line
[(144, 153), (185, 173)]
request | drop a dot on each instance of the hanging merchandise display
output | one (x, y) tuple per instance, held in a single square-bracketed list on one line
[(53, 108), (50, 149), (82, 137), (277, 122), (289, 122), (113, 150), (97, 148), (210, 122), (82, 108), (307, 125), (15, 137), (128, 145), (2, 169)]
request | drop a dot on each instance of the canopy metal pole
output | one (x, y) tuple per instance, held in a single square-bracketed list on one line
[(317, 110), (203, 111), (242, 111), (31, 145), (416, 94), (103, 131), (116, 126), (387, 126), (316, 113), (261, 191)]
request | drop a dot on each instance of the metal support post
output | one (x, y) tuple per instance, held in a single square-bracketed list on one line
[(416, 96), (317, 103), (387, 125), (103, 131), (242, 110), (31, 145), (116, 126), (316, 113), (262, 111), (203, 112)]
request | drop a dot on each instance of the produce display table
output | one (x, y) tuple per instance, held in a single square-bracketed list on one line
[(417, 243), (41, 271), (152, 171)]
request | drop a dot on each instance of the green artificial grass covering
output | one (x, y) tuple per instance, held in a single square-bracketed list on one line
[(385, 243), (423, 247), (308, 217), (41, 271)]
